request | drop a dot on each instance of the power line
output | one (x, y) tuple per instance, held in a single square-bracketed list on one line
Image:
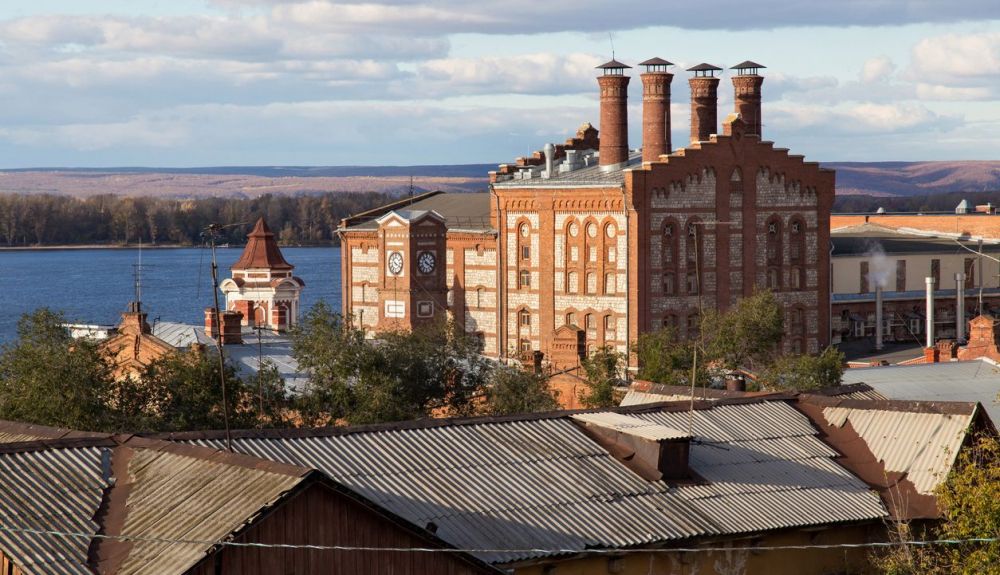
[(532, 551)]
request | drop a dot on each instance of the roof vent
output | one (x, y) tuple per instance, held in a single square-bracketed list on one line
[(651, 450)]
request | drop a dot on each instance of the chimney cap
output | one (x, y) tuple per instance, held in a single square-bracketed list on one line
[(613, 68), (656, 64), (704, 69), (750, 65)]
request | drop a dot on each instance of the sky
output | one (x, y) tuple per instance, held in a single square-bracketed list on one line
[(184, 83)]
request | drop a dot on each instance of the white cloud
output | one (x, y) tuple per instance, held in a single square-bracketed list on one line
[(954, 56), (877, 69)]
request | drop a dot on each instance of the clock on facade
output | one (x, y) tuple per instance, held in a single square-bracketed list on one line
[(425, 262), (395, 263)]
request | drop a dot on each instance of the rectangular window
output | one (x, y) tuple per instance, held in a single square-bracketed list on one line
[(525, 318), (864, 278), (425, 309), (936, 272), (395, 309), (525, 252), (970, 273), (692, 283), (524, 279), (900, 275)]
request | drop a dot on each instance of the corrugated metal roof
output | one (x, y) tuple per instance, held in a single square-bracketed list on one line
[(176, 496), (921, 445), (631, 425), (641, 397), (589, 176), (461, 211), (543, 483), (54, 490), (964, 381), (170, 492)]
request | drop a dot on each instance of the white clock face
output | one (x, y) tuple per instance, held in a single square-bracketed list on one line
[(425, 262), (395, 263)]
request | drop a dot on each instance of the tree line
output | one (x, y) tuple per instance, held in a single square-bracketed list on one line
[(942, 202), (48, 219)]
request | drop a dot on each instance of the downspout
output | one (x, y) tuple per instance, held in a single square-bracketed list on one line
[(628, 293), (501, 282)]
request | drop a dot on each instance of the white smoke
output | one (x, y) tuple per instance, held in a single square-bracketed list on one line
[(880, 268)]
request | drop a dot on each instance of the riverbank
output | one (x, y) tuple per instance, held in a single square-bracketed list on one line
[(143, 246)]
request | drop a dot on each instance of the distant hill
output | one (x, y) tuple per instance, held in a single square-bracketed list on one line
[(915, 178), (864, 178)]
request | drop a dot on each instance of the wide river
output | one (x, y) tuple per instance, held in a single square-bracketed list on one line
[(95, 285)]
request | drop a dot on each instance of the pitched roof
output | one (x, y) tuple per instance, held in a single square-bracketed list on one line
[(261, 251), (461, 211), (155, 488), (541, 482), (967, 381)]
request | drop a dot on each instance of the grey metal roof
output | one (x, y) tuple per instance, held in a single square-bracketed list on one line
[(590, 176), (850, 245), (170, 492), (544, 483), (176, 496), (274, 348), (632, 426), (965, 381), (461, 211), (57, 490)]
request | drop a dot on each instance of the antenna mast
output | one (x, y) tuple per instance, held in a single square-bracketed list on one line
[(211, 232)]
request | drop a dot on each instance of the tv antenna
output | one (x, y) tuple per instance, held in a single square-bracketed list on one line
[(611, 39), (411, 189), (211, 233), (137, 269)]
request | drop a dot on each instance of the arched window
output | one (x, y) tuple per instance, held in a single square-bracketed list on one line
[(609, 283), (773, 253), (524, 279), (736, 182), (480, 293), (693, 325), (589, 321), (524, 318), (573, 282), (610, 243), (797, 321), (797, 253), (571, 318), (670, 240), (610, 328), (591, 283), (693, 256)]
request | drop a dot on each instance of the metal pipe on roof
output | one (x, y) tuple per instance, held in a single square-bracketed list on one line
[(960, 307), (930, 311), (878, 317)]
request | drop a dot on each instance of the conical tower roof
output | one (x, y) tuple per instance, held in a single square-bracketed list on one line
[(262, 251)]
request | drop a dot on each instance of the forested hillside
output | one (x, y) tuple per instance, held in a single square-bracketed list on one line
[(45, 219)]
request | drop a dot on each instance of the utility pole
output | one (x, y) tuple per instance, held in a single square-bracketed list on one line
[(211, 232)]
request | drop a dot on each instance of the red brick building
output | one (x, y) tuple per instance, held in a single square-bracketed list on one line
[(589, 243)]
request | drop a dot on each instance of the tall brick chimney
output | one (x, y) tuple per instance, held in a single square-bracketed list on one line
[(747, 84), (655, 109), (614, 113), (704, 102)]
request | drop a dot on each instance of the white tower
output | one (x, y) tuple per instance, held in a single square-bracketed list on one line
[(262, 286)]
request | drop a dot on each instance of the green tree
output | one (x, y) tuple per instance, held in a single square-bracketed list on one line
[(403, 374), (48, 378), (804, 372), (512, 390), (746, 336), (969, 501), (603, 371), (667, 359)]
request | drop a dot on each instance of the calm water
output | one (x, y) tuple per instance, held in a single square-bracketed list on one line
[(95, 286)]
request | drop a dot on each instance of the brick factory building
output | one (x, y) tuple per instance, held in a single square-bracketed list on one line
[(589, 243)]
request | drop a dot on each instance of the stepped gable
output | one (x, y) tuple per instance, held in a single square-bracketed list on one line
[(262, 251)]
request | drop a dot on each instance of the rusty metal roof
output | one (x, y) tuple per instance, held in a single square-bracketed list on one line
[(922, 445), (542, 482), (170, 491)]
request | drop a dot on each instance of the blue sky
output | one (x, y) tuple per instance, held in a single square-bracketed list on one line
[(317, 82)]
